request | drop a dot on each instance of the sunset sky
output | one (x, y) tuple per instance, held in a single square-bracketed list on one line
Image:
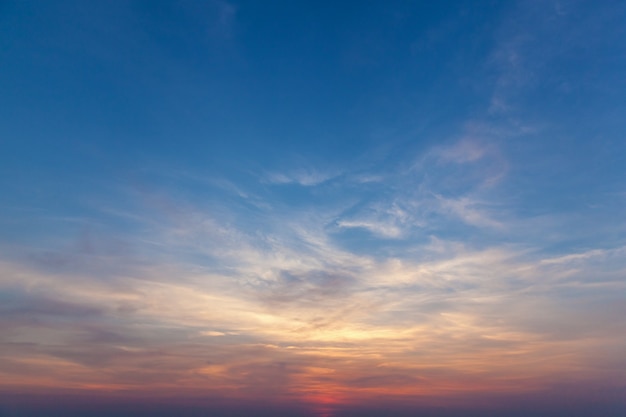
[(312, 208)]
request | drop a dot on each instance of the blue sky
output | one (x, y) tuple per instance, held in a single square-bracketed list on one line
[(311, 203)]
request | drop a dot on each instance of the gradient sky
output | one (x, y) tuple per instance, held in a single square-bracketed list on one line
[(312, 208)]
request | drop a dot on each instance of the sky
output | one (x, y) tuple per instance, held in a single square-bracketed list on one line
[(312, 208)]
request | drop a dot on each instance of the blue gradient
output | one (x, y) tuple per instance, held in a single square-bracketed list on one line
[(222, 195)]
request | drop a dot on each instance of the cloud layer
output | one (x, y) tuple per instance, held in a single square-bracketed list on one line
[(265, 300)]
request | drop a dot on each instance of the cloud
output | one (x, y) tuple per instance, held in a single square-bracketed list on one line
[(464, 151), (212, 333), (305, 178), (533, 43), (470, 211), (454, 308), (382, 229), (452, 182), (217, 298)]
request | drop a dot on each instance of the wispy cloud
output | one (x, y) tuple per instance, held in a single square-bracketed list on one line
[(469, 211), (305, 178), (477, 304), (215, 304)]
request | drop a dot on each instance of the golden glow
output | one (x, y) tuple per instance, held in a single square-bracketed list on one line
[(460, 329)]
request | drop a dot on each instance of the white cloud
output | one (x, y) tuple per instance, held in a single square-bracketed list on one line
[(470, 211), (305, 178), (385, 230), (466, 150)]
